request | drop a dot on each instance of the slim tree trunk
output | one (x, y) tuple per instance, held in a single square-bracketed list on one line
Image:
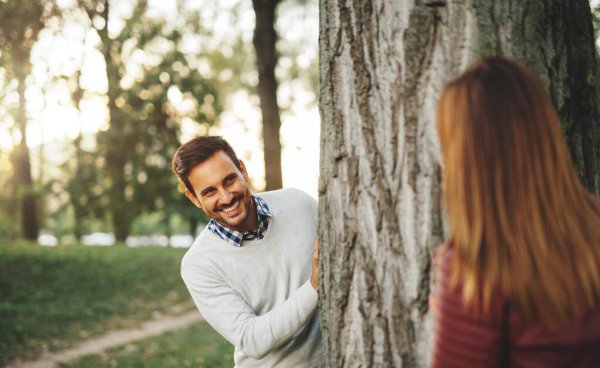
[(75, 195), (266, 59), (116, 145), (78, 207), (29, 218), (383, 64)]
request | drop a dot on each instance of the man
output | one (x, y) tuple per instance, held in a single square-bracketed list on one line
[(250, 271)]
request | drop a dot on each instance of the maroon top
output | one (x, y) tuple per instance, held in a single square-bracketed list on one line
[(499, 339)]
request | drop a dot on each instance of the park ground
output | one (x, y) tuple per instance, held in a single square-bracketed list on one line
[(95, 307)]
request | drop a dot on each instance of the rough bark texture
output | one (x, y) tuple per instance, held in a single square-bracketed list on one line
[(555, 38), (383, 64), (266, 59)]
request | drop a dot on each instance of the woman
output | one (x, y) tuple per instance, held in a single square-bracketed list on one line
[(518, 282)]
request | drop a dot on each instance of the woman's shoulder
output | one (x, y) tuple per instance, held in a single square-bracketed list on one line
[(449, 287), (443, 257)]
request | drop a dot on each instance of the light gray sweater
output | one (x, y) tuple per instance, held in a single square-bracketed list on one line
[(259, 296)]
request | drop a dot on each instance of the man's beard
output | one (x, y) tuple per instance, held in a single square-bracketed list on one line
[(241, 222)]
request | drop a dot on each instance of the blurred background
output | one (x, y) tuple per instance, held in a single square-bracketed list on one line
[(95, 97)]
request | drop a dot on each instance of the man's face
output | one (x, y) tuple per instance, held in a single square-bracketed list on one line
[(221, 191)]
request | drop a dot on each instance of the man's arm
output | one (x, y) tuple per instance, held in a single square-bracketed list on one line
[(227, 312)]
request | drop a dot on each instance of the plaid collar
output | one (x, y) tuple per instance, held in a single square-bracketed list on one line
[(235, 237)]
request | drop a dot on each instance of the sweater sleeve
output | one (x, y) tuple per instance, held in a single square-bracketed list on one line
[(463, 338), (227, 312)]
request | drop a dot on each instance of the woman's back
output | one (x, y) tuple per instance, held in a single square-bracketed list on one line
[(498, 338), (524, 232)]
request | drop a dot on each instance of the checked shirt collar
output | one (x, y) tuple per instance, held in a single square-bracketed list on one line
[(235, 237)]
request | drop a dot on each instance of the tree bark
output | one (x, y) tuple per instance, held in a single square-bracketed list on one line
[(383, 64), (556, 40), (265, 38)]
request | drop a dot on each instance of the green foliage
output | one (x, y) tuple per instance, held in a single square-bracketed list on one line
[(161, 73), (52, 297), (8, 220), (149, 98), (20, 23), (83, 186), (196, 346)]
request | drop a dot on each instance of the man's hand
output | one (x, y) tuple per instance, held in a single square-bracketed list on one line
[(314, 278)]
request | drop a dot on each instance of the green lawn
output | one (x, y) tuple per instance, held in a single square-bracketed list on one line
[(53, 297), (197, 346)]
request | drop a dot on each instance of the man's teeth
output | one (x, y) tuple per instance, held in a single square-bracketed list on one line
[(232, 207)]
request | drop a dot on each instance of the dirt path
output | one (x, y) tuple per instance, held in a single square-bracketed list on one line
[(112, 339)]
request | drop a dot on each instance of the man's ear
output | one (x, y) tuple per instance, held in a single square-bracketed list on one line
[(243, 170), (192, 197)]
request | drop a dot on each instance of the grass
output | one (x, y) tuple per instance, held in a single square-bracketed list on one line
[(196, 346), (53, 297)]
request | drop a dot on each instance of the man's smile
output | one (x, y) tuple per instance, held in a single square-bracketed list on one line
[(231, 209)]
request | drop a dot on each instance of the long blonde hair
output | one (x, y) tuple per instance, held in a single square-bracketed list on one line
[(520, 218)]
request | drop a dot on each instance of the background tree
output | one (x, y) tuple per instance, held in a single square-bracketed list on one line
[(9, 224), (383, 64), (115, 138), (264, 41), (20, 24), (81, 185), (277, 67), (144, 121)]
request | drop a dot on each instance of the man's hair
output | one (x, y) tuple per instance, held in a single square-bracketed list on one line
[(520, 218), (195, 152)]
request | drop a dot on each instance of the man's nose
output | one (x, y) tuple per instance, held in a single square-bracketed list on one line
[(225, 195)]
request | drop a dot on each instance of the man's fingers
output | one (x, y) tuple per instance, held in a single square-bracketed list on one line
[(315, 266)]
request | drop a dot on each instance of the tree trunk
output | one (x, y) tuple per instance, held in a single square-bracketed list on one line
[(29, 218), (383, 64), (556, 40), (75, 195), (78, 207), (266, 59), (116, 145)]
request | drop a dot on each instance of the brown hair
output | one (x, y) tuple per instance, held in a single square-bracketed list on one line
[(520, 218), (195, 152)]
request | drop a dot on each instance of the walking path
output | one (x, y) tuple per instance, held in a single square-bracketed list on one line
[(113, 339)]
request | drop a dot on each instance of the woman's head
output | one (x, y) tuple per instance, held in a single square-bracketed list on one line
[(515, 204)]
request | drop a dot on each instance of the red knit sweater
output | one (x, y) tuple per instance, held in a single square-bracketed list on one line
[(499, 339)]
